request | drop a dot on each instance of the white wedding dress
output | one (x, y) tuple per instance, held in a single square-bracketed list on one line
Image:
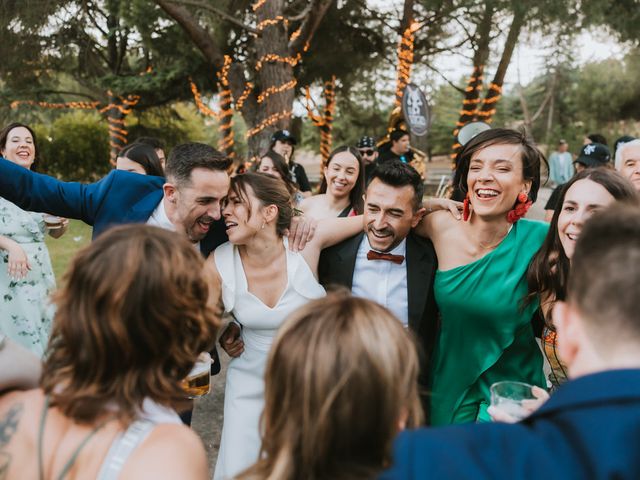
[(244, 392)]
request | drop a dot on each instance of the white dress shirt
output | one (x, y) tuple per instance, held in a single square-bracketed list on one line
[(383, 281)]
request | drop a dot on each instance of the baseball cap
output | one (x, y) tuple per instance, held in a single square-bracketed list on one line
[(594, 155), (283, 136), (366, 142)]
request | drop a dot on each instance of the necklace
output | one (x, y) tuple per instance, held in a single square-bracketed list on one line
[(494, 245)]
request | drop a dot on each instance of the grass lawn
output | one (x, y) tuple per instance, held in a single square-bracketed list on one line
[(63, 249)]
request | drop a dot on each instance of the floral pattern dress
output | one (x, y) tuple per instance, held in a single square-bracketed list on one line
[(26, 311)]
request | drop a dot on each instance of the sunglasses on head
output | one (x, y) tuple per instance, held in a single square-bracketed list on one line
[(367, 152)]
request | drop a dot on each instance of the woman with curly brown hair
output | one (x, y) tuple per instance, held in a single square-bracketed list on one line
[(341, 382), (133, 315)]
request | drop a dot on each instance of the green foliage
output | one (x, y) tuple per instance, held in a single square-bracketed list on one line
[(74, 147)]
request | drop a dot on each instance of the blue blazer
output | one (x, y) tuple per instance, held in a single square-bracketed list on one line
[(589, 429), (119, 198)]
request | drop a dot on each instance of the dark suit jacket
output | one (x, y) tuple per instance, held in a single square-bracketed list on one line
[(119, 198), (589, 429), (338, 262)]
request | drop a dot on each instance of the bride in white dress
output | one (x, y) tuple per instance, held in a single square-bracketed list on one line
[(262, 282)]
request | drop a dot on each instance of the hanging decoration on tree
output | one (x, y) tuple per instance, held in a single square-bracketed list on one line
[(116, 112), (324, 121), (405, 60), (470, 105)]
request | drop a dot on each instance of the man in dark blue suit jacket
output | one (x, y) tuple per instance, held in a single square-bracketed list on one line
[(188, 201), (590, 427)]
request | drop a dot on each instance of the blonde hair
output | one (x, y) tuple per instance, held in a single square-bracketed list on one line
[(341, 375)]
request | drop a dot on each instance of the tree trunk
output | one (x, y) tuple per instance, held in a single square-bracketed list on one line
[(474, 85), (405, 51), (494, 93)]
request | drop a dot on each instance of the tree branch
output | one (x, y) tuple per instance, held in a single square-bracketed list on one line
[(317, 10), (220, 13), (430, 67), (199, 35)]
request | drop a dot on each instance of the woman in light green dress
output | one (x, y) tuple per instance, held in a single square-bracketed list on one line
[(485, 331), (26, 276)]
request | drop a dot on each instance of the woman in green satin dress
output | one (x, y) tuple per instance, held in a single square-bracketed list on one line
[(485, 334)]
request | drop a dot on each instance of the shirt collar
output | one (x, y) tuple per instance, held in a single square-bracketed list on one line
[(399, 249)]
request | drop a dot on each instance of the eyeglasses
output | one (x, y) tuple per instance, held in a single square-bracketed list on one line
[(367, 152)]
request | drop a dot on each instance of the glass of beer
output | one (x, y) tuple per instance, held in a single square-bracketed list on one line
[(198, 382)]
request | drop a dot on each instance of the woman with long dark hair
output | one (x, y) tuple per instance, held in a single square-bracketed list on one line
[(585, 194), (26, 274), (485, 335), (274, 164), (342, 187), (140, 158)]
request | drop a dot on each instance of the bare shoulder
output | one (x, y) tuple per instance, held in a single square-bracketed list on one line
[(437, 224), (171, 451), (310, 204), (26, 400)]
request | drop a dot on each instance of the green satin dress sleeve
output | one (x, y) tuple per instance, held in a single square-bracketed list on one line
[(486, 334)]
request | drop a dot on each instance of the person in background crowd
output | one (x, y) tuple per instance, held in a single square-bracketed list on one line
[(560, 164), (156, 145), (619, 143), (595, 138), (369, 153), (340, 383), (283, 143), (274, 164), (592, 155), (26, 274), (140, 158), (628, 161), (590, 427), (263, 280), (485, 334), (399, 148), (132, 317), (342, 186), (587, 193)]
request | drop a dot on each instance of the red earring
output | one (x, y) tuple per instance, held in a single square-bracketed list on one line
[(466, 212), (523, 205)]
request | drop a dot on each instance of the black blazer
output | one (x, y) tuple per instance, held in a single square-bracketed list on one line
[(337, 264)]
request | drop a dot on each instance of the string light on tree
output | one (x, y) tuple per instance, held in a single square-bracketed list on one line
[(325, 121), (405, 59)]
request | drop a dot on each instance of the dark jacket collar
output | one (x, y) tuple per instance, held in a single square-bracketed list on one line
[(603, 387)]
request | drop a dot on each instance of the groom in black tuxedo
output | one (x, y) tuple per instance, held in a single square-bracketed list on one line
[(388, 263)]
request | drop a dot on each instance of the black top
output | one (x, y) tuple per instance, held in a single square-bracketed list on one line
[(552, 203), (299, 176)]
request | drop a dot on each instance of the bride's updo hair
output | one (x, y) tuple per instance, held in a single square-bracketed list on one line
[(340, 382), (269, 191)]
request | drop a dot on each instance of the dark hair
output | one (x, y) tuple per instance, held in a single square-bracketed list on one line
[(146, 156), (153, 142), (397, 134), (184, 158), (4, 135), (280, 164), (269, 191), (605, 276), (290, 142), (132, 316), (396, 173), (549, 269), (597, 138), (355, 195), (532, 157)]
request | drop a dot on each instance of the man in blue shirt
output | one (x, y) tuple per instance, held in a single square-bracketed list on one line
[(590, 427)]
